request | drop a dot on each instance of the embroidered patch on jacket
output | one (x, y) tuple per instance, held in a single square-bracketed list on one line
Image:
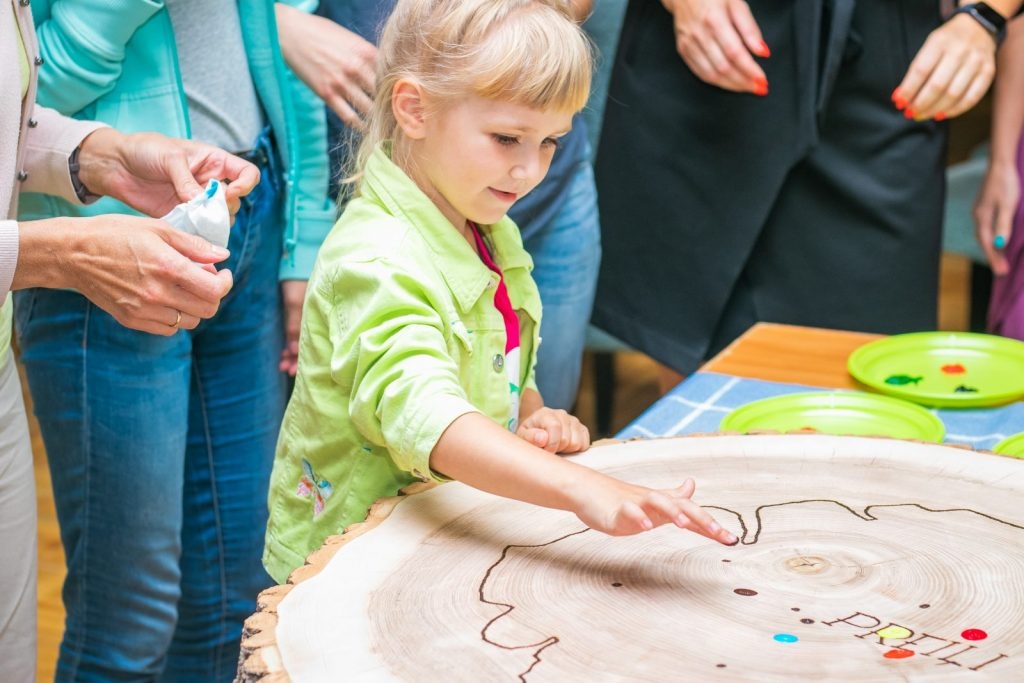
[(312, 487)]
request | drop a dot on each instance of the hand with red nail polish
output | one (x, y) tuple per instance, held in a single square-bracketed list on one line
[(718, 40), (899, 100), (950, 73)]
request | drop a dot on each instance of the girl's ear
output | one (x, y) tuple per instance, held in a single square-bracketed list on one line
[(407, 106)]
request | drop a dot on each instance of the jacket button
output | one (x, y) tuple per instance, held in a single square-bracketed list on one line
[(23, 3), (499, 362), (22, 176), (39, 60), (32, 123)]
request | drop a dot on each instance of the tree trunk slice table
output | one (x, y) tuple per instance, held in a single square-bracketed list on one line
[(861, 559)]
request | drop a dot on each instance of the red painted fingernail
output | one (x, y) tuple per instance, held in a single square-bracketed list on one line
[(760, 86), (940, 116), (762, 50), (909, 113), (899, 100)]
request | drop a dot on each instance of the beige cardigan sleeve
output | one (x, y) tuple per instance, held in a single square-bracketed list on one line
[(35, 142), (48, 146)]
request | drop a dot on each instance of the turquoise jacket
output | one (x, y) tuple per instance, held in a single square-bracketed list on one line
[(400, 336), (119, 65)]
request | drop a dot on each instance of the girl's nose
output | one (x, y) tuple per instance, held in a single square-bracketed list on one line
[(526, 168)]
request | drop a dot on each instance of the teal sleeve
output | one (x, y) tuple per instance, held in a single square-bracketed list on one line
[(315, 212), (82, 43)]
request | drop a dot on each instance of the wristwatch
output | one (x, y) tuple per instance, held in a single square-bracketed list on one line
[(990, 20), (83, 193)]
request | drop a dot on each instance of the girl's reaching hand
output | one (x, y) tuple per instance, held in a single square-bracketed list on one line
[(555, 431), (621, 509)]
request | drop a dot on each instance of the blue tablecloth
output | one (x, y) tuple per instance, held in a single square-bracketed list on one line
[(699, 403)]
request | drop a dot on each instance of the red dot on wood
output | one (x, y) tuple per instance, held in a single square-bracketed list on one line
[(974, 634)]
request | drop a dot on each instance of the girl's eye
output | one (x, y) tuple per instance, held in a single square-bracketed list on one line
[(506, 140), (550, 142)]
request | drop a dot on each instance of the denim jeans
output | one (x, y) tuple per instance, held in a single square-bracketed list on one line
[(566, 254), (160, 451)]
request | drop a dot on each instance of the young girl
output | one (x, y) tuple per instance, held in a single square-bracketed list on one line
[(419, 332)]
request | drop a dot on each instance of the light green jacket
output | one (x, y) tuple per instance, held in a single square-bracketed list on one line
[(116, 62), (400, 337)]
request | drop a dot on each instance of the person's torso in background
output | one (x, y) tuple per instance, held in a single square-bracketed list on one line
[(223, 106)]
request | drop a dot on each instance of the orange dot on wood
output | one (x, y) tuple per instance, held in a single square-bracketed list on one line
[(898, 654)]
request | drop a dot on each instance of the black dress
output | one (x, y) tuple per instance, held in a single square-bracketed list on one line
[(820, 204)]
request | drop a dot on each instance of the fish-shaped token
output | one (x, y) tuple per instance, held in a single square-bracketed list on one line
[(900, 380), (964, 389)]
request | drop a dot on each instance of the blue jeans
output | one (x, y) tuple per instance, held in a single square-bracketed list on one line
[(160, 451), (566, 254)]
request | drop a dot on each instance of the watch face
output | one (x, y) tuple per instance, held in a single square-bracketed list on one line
[(995, 18)]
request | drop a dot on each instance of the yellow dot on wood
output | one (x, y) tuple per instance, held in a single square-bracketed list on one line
[(894, 632)]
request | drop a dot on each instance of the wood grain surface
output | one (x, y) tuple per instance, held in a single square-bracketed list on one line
[(861, 560), (790, 353)]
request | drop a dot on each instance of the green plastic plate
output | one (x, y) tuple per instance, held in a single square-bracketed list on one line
[(1011, 445), (837, 412), (943, 369)]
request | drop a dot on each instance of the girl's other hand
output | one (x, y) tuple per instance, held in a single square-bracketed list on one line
[(621, 509), (556, 431)]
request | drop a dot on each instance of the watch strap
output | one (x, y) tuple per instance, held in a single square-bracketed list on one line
[(989, 19), (81, 191)]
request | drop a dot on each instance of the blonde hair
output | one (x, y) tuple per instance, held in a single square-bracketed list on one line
[(528, 52)]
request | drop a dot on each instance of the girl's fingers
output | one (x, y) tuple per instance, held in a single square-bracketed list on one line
[(686, 489), (696, 518), (635, 518), (538, 437)]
